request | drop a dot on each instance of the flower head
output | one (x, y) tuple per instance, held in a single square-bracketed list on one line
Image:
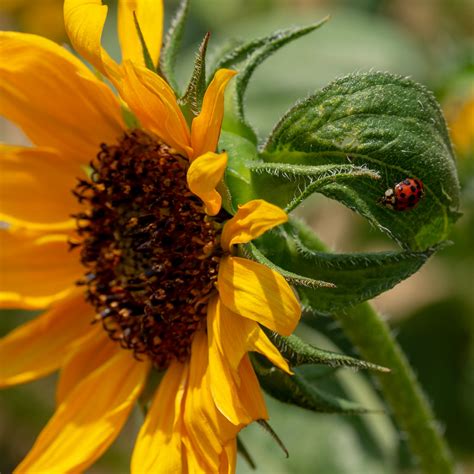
[(137, 265)]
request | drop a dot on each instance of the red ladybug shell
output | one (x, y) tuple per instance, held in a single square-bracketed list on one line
[(404, 196)]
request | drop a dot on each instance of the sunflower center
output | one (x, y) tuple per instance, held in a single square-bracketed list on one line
[(150, 251)]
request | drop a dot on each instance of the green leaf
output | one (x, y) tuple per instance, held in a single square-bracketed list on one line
[(253, 53), (172, 43), (297, 352), (287, 185), (251, 251), (389, 124), (240, 152), (357, 276), (259, 54), (296, 390), (192, 98), (146, 54)]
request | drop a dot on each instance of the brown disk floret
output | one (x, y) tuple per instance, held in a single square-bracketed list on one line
[(150, 250)]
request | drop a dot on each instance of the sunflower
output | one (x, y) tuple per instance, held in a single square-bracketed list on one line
[(138, 267)]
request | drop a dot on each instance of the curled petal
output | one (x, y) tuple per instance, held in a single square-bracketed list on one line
[(153, 102), (84, 21), (257, 292), (206, 127), (204, 174), (150, 18), (251, 221)]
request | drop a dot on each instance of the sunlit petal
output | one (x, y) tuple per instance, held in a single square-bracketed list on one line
[(37, 269), (55, 98), (150, 18), (35, 188), (89, 419), (154, 103), (158, 446), (84, 21), (207, 428), (38, 347), (251, 221), (206, 127), (258, 293), (86, 354)]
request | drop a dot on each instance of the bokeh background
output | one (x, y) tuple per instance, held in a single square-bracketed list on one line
[(431, 313)]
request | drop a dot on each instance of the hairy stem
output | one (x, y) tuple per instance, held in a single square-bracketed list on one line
[(412, 411)]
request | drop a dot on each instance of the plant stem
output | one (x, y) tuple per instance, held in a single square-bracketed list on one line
[(412, 411)]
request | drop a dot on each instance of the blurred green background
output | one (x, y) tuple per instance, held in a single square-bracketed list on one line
[(431, 313)]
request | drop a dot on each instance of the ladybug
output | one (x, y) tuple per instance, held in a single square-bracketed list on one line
[(403, 196)]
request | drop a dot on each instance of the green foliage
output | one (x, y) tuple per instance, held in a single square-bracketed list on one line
[(299, 391), (192, 98), (252, 54), (357, 276), (297, 352), (172, 44), (146, 54), (389, 124)]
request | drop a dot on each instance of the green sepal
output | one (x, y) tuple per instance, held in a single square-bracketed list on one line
[(259, 54), (357, 276), (232, 56), (297, 390), (287, 185), (389, 124), (244, 452), (252, 54), (146, 54), (172, 44), (297, 352), (192, 99)]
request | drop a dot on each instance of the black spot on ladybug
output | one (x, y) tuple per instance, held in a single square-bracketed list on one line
[(403, 195), (412, 197), (413, 188)]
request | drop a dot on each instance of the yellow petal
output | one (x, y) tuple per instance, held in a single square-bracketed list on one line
[(89, 419), (203, 176), (154, 103), (150, 18), (258, 293), (207, 428), (54, 98), (224, 379), (35, 188), (235, 390), (206, 127), (87, 354), (251, 221), (36, 269), (250, 392), (229, 458), (84, 21), (158, 446), (235, 336), (38, 347)]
